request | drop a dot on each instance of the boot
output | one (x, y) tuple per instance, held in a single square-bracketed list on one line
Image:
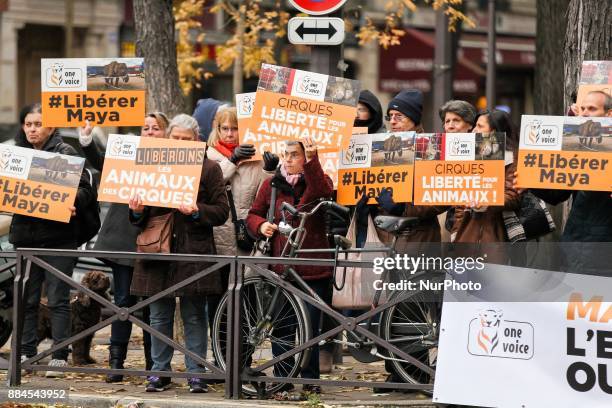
[(117, 354)]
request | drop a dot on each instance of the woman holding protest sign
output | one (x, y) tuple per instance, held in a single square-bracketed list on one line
[(242, 176), (30, 232), (476, 223), (300, 181), (192, 233), (118, 235)]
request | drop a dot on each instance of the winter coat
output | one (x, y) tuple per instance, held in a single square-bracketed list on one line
[(189, 236), (589, 220), (117, 234), (313, 185), (41, 233), (487, 226), (245, 180), (204, 113)]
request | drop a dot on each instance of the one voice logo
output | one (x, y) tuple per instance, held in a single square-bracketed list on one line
[(59, 76), (121, 148), (539, 134), (491, 336), (12, 164)]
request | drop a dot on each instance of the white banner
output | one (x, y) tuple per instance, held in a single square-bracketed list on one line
[(529, 354)]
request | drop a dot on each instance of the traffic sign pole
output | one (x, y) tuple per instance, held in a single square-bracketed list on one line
[(325, 59)]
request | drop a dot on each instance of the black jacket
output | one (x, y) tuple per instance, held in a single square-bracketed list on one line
[(590, 219), (40, 233), (589, 222), (117, 233)]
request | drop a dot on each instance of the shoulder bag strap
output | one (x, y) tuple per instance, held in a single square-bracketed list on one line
[(230, 198)]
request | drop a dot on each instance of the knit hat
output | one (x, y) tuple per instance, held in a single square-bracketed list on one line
[(410, 103)]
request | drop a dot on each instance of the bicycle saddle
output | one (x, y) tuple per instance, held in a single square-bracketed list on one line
[(395, 225), (342, 242)]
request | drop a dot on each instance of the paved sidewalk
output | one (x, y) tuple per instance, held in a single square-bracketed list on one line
[(90, 390)]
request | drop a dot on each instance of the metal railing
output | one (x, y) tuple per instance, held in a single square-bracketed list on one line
[(233, 375)]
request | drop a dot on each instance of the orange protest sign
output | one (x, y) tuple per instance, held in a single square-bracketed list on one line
[(164, 172), (565, 153), (459, 168), (376, 162), (105, 91), (291, 104), (595, 76), (38, 183)]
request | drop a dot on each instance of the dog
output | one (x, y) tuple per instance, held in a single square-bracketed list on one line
[(85, 313)]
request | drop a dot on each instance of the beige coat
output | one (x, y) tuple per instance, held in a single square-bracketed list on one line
[(245, 180)]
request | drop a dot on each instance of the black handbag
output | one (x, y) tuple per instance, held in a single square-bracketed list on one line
[(535, 217), (531, 221), (244, 240)]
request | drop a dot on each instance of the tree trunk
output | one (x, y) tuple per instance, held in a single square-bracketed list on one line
[(550, 32), (587, 38), (548, 92), (155, 42), (239, 61)]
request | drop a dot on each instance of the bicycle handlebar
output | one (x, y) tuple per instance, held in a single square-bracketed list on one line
[(285, 206)]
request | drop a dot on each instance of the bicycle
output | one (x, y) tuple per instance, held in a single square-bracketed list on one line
[(275, 320)]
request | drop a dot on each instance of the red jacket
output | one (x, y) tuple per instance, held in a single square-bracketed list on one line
[(313, 185)]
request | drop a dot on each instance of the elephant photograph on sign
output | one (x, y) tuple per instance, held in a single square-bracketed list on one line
[(115, 75), (593, 134), (389, 149), (55, 170)]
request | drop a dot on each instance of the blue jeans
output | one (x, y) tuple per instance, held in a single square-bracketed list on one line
[(322, 288), (58, 295), (194, 322)]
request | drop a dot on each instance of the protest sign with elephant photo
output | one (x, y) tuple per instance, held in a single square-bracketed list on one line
[(565, 153), (459, 169), (103, 91), (38, 183)]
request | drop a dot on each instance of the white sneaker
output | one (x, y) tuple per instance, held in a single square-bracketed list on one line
[(56, 363), (24, 371)]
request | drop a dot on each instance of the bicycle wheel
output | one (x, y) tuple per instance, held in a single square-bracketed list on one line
[(413, 327), (288, 329)]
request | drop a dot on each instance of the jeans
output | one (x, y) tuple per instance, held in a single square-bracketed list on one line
[(194, 322), (58, 295), (322, 288), (122, 279)]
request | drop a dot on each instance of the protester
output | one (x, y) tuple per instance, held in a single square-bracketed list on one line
[(30, 232), (300, 181), (457, 116), (404, 114), (241, 174), (192, 234), (118, 235), (590, 219), (204, 113), (369, 113), (243, 177), (477, 223)]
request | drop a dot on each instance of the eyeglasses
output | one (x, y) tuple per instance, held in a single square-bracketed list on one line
[(226, 129), (397, 116)]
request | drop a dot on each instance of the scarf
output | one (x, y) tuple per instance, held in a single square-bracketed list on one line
[(292, 179), (225, 149)]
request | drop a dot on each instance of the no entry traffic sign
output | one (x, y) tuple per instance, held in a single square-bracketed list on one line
[(317, 7)]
